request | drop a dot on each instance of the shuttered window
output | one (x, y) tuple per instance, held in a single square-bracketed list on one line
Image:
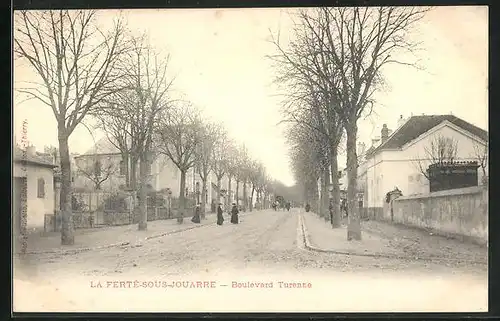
[(41, 188)]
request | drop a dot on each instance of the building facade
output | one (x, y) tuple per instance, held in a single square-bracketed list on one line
[(399, 160), (33, 181)]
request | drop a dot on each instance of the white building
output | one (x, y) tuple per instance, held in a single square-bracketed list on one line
[(163, 174), (395, 159), (34, 177)]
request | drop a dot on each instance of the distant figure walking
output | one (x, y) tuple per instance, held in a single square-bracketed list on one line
[(220, 217), (91, 220), (234, 214), (288, 206), (308, 207), (196, 217), (274, 206)]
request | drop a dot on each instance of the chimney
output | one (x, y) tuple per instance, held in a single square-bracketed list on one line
[(361, 148), (31, 151), (384, 133), (401, 121)]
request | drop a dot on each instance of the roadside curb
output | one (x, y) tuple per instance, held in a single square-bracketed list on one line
[(175, 231), (310, 247)]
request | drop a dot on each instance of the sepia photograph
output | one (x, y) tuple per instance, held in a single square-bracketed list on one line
[(231, 160)]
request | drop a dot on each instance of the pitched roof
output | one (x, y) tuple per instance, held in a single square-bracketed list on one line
[(418, 125), (103, 146), (21, 156)]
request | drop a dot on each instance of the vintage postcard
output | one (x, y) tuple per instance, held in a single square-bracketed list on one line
[(251, 160)]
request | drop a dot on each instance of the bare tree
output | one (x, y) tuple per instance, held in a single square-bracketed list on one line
[(231, 169), (310, 101), (239, 161), (440, 151), (258, 179), (138, 106), (178, 138), (209, 135), (351, 46), (97, 171), (117, 128), (75, 63), (256, 172), (266, 189), (219, 160), (309, 154), (481, 157), (244, 173)]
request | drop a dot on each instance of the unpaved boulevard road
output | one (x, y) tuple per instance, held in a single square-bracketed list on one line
[(257, 265)]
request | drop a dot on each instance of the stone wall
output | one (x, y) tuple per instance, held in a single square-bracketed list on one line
[(372, 213), (459, 213)]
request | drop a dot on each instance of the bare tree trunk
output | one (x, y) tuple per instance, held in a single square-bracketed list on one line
[(354, 225), (251, 197), (219, 179), (245, 196), (203, 198), (336, 190), (133, 186), (320, 196), (125, 159), (182, 198), (316, 200), (237, 193), (67, 228), (228, 199), (143, 213), (133, 172), (325, 197)]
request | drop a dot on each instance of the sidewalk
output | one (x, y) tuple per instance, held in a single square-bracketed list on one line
[(111, 235), (323, 237), (381, 239)]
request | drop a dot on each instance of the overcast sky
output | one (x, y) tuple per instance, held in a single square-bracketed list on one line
[(218, 57)]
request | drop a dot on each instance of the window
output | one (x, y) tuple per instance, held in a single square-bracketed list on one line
[(41, 188)]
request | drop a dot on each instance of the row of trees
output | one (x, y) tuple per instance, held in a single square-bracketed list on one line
[(331, 69), (123, 82)]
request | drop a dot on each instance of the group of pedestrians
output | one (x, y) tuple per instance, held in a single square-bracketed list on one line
[(277, 206), (234, 214), (220, 218)]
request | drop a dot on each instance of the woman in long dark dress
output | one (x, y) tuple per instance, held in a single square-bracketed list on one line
[(196, 217), (234, 214), (220, 217)]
